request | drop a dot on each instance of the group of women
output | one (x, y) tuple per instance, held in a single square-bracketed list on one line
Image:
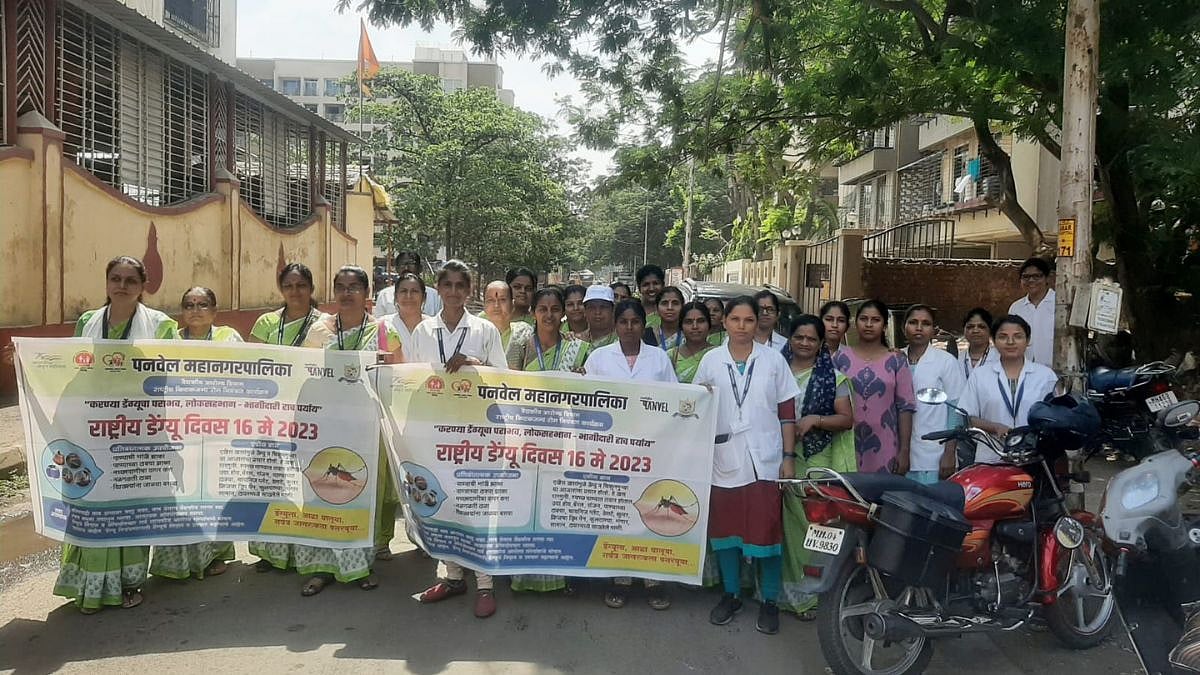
[(807, 398)]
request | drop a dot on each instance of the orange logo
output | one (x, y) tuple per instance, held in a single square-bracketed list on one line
[(84, 359), (435, 385), (114, 360)]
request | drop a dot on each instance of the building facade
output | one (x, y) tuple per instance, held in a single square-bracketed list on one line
[(119, 137)]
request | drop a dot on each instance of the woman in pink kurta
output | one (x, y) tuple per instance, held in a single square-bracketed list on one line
[(882, 394)]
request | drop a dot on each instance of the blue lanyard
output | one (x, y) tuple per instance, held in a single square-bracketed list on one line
[(662, 339), (740, 397), (1013, 407), (457, 348), (537, 343)]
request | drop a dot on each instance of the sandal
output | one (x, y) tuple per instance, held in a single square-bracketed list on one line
[(263, 565), (383, 553), (313, 586), (658, 598), (807, 615), (131, 597), (368, 583), (88, 611), (615, 598), (216, 568)]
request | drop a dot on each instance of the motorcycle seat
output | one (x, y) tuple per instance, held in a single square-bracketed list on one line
[(872, 486), (1104, 380)]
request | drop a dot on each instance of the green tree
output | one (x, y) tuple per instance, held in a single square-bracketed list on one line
[(484, 180)]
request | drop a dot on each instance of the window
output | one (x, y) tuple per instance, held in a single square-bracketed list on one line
[(450, 86), (334, 87), (271, 163), (866, 209), (960, 163), (310, 87), (310, 107), (289, 86), (200, 19), (335, 112)]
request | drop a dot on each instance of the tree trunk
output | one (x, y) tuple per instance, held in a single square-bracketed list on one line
[(1009, 205)]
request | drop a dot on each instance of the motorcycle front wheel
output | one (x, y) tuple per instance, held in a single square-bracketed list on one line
[(1083, 613), (846, 648)]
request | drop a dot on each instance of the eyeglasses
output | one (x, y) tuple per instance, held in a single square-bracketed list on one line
[(353, 289), (1032, 277), (767, 310), (196, 305)]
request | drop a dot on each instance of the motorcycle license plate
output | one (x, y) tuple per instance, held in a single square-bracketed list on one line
[(1162, 401), (824, 539)]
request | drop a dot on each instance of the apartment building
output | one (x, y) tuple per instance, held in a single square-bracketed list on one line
[(317, 85), (925, 182)]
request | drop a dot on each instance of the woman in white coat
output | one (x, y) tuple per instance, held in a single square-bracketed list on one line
[(629, 358), (999, 394)]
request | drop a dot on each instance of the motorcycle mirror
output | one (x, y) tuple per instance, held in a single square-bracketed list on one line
[(932, 396), (1062, 387)]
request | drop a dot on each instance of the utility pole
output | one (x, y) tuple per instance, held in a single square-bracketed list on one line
[(1075, 198), (687, 218), (1074, 271)]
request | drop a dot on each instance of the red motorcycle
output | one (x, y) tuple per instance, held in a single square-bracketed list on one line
[(897, 563)]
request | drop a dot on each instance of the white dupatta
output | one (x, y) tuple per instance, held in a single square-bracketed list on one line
[(144, 326)]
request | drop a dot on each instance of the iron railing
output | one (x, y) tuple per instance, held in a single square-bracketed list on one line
[(821, 267), (925, 238)]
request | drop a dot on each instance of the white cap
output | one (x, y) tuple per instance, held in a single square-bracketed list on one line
[(599, 292)]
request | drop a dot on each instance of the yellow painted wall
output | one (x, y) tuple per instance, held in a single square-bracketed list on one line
[(198, 242), (21, 289)]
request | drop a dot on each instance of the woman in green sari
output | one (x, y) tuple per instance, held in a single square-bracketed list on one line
[(823, 439), (716, 312), (197, 560), (288, 326), (686, 357), (352, 328), (547, 349), (112, 576)]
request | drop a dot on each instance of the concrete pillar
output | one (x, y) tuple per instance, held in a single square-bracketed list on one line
[(40, 136), (847, 281)]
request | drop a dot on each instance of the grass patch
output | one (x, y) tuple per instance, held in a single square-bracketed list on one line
[(13, 487)]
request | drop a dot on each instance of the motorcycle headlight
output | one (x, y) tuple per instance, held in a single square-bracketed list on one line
[(1069, 532), (1140, 491)]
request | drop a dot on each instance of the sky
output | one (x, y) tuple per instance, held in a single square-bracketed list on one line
[(313, 29)]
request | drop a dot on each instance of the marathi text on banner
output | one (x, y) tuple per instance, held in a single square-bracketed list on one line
[(553, 473), (175, 442)]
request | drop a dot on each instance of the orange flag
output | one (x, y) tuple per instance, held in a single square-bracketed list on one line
[(368, 65)]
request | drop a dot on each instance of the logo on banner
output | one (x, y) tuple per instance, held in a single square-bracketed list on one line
[(687, 409), (462, 388), (350, 373), (113, 362), (84, 360), (435, 385)]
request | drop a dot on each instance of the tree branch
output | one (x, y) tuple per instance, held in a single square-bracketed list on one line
[(1009, 205)]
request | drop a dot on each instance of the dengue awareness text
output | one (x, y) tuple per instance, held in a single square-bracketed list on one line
[(553, 473), (175, 442)]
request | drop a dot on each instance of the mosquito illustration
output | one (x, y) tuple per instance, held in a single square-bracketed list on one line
[(671, 505), (339, 472)]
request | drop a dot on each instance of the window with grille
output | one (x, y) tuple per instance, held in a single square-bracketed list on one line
[(132, 116), (289, 86), (334, 87), (310, 87), (335, 112), (196, 19), (335, 183), (272, 163)]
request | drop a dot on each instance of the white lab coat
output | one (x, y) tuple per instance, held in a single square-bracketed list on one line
[(987, 396), (966, 364), (939, 370), (652, 364), (754, 449), (481, 341)]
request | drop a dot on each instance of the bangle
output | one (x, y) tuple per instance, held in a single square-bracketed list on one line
[(789, 455), (820, 418)]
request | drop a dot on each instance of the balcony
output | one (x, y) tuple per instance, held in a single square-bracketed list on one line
[(939, 129), (871, 162)]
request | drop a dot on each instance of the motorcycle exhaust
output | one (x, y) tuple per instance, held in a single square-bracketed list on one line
[(890, 626)]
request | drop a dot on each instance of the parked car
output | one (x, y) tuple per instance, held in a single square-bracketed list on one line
[(694, 289)]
